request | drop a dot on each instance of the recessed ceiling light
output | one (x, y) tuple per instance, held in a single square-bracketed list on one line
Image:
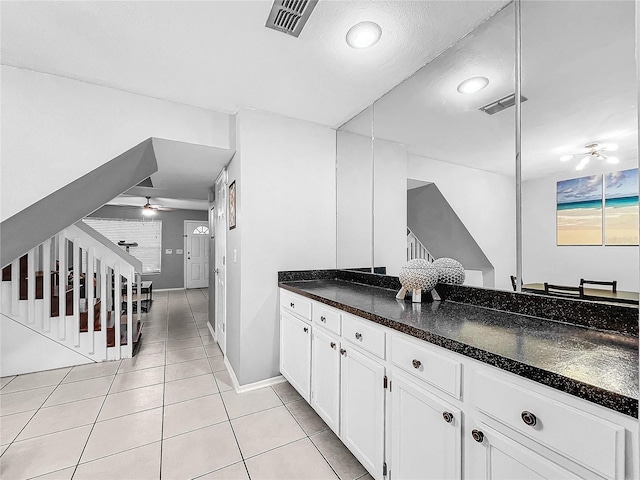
[(364, 34), (473, 85)]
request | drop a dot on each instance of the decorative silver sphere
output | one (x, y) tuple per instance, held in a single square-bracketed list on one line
[(418, 274), (449, 271)]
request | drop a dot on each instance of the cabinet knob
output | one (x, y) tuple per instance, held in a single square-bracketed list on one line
[(448, 417), (323, 319), (292, 305), (306, 329), (416, 363), (477, 435), (529, 418), (343, 352), (333, 345), (358, 336)]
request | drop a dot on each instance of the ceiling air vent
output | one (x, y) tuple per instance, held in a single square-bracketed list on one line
[(290, 16), (499, 105)]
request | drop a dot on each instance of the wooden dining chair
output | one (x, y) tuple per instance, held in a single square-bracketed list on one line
[(563, 291), (613, 284)]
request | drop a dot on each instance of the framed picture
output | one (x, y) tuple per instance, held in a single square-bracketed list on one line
[(579, 211), (621, 208), (232, 205)]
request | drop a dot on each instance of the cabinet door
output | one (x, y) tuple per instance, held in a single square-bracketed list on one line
[(325, 378), (425, 433), (362, 408), (498, 457), (295, 352)]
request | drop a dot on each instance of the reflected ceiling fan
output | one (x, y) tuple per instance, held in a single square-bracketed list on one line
[(149, 210), (595, 150)]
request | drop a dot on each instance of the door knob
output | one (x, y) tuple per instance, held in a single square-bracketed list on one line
[(333, 345), (306, 329), (358, 336), (448, 417), (416, 363)]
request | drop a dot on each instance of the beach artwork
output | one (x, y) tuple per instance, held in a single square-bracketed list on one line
[(579, 211), (621, 208)]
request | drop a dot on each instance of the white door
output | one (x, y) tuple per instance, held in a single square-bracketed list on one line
[(197, 254), (220, 248), (325, 378), (362, 409), (295, 353), (425, 434)]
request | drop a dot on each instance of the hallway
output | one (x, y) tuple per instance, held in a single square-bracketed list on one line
[(170, 412)]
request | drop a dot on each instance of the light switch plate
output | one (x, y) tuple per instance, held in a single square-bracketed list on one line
[(168, 251), (179, 251)]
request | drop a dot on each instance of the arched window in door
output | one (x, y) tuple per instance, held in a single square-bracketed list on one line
[(201, 230)]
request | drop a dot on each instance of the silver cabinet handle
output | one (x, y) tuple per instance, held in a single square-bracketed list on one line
[(358, 336), (333, 345), (343, 352), (416, 363), (323, 319), (306, 330), (292, 305)]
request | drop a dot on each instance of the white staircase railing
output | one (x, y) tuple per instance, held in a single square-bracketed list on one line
[(76, 288), (415, 248)]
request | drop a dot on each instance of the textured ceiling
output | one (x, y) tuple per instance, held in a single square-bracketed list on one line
[(581, 88), (218, 54)]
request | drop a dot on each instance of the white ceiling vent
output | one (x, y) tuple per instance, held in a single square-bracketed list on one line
[(499, 105), (290, 16)]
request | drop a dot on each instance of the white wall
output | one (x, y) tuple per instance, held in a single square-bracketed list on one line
[(23, 350), (390, 206), (286, 221), (544, 261), (55, 129), (484, 201)]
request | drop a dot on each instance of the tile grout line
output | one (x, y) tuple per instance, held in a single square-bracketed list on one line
[(37, 410), (224, 405), (164, 393), (93, 427)]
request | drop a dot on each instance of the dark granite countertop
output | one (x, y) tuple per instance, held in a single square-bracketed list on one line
[(596, 365)]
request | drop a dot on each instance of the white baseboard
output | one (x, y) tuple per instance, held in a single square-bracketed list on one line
[(251, 386), (167, 289), (212, 331)]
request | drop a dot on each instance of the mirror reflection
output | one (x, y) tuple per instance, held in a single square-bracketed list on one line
[(580, 147)]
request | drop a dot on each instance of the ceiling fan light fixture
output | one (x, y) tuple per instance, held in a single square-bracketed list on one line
[(583, 163), (148, 211)]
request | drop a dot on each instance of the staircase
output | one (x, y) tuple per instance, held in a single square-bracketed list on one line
[(415, 248), (69, 301)]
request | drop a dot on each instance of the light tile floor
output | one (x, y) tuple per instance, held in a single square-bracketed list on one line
[(170, 412)]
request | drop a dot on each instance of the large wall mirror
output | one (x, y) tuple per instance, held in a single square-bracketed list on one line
[(429, 169)]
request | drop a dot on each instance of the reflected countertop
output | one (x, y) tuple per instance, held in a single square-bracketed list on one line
[(599, 366)]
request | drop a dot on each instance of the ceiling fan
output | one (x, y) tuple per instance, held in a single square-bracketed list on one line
[(149, 210), (593, 150)]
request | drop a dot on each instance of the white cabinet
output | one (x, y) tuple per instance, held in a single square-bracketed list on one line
[(325, 378), (295, 352), (362, 408), (425, 434), (497, 457)]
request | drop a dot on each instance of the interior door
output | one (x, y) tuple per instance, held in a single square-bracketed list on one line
[(197, 254), (220, 248)]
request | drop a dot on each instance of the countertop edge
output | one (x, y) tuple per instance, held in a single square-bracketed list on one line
[(600, 396)]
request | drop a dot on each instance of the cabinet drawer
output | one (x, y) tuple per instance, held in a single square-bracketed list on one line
[(296, 304), (364, 334), (433, 368), (590, 441), (328, 318)]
